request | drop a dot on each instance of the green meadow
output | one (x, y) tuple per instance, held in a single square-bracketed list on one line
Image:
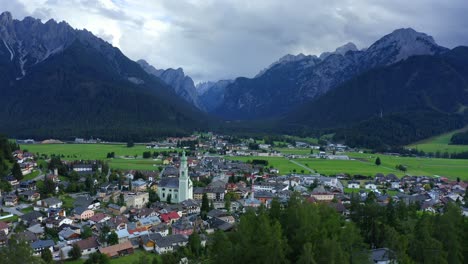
[(440, 143), (450, 168), (124, 157), (280, 163), (85, 151), (133, 258), (297, 151), (363, 164)]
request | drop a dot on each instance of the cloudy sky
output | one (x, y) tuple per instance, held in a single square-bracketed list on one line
[(224, 39)]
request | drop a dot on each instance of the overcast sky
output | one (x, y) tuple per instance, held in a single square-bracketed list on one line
[(224, 39)]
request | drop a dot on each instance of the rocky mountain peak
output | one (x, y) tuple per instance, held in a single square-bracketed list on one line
[(183, 85), (342, 50), (401, 44), (6, 17)]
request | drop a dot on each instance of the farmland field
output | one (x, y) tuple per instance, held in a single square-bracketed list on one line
[(333, 167), (99, 152), (133, 258), (135, 164), (440, 143), (363, 164), (283, 164), (450, 168), (85, 151), (298, 151)]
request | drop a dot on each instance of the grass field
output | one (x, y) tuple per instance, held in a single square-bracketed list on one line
[(135, 164), (85, 151), (298, 151), (451, 168), (129, 259), (99, 152), (364, 165), (440, 143), (284, 165), (31, 175), (333, 167)]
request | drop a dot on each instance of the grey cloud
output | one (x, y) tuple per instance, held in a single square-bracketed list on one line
[(224, 39)]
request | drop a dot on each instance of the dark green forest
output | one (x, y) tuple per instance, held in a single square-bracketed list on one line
[(460, 138), (303, 232)]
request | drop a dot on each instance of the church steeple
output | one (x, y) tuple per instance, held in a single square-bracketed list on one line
[(185, 184), (183, 169)]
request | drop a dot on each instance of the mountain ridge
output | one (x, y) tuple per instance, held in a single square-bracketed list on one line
[(301, 78), (88, 87)]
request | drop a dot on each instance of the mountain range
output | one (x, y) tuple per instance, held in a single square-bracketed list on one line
[(60, 82), (294, 80), (57, 81)]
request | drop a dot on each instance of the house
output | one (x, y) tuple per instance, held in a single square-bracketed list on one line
[(12, 181), (320, 194), (382, 256), (4, 228), (118, 250), (169, 243), (118, 223), (395, 185), (37, 229), (123, 235), (139, 185), (162, 229), (170, 217), (354, 185), (370, 186), (149, 222), (88, 246), (116, 209), (53, 177), (30, 195), (69, 234), (148, 241), (27, 236), (98, 218), (11, 200), (31, 217), (83, 168), (136, 200), (40, 245), (218, 224), (28, 185), (56, 212), (50, 203), (190, 206), (182, 226), (3, 239), (82, 213)]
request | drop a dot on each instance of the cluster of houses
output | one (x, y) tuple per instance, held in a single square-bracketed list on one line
[(157, 227), (162, 227), (431, 193)]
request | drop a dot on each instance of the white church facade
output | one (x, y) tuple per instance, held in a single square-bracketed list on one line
[(177, 190)]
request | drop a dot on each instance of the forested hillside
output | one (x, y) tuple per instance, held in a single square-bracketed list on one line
[(394, 105)]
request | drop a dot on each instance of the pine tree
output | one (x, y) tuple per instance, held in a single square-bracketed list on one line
[(16, 171), (75, 252), (46, 255), (113, 239), (377, 161)]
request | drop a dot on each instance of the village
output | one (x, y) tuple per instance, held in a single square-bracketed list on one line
[(76, 208)]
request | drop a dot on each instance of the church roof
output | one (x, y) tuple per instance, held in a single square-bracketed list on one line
[(169, 183)]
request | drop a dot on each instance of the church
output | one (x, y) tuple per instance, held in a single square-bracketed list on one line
[(179, 189)]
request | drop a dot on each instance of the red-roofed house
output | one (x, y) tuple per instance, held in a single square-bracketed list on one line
[(170, 217), (88, 246), (99, 218)]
